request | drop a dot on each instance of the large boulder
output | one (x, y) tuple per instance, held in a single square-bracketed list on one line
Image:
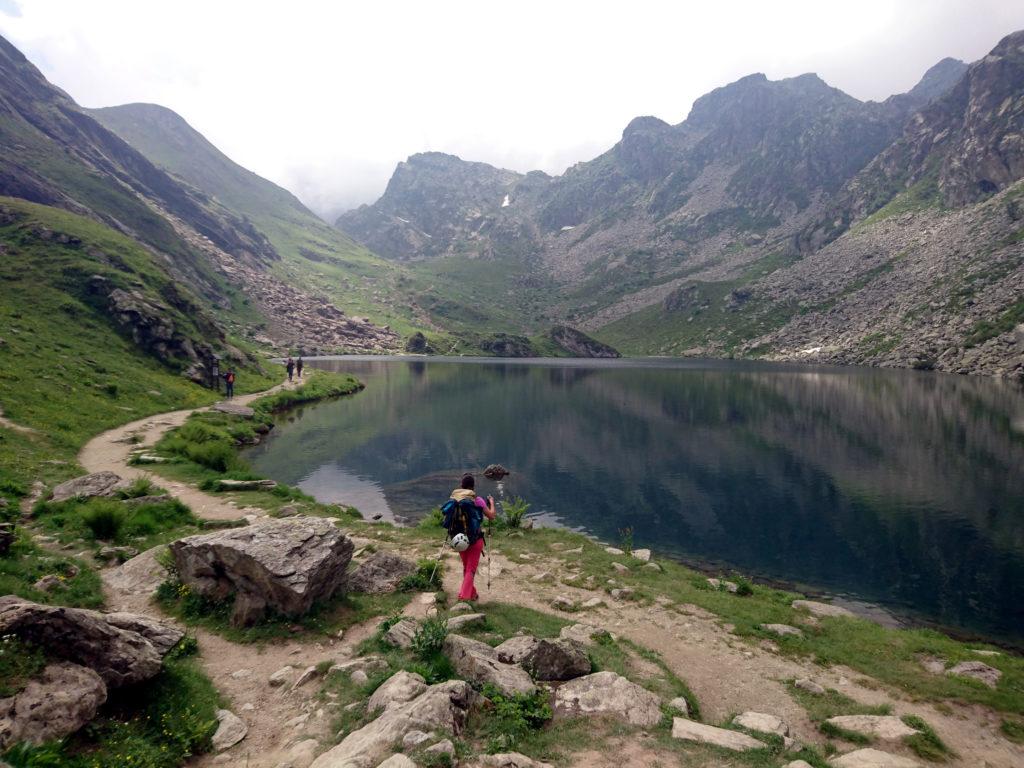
[(89, 486), (441, 709), (479, 663), (119, 656), (56, 704), (977, 671), (545, 659), (399, 688), (381, 574), (609, 694), (280, 565), (163, 636)]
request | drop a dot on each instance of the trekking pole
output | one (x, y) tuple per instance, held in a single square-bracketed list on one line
[(437, 560)]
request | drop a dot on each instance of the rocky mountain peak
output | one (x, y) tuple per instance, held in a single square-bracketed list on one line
[(938, 80), (644, 124)]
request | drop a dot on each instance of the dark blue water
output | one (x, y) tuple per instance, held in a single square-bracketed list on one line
[(900, 488)]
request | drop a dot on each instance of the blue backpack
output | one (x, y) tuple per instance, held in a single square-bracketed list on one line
[(462, 517)]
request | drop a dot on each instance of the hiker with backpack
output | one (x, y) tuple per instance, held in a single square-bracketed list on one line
[(290, 367), (229, 382), (463, 515), (298, 366)]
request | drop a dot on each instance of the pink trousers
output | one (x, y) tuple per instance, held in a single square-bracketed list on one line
[(470, 562)]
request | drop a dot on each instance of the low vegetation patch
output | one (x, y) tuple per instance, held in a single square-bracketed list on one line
[(19, 662), (319, 386), (25, 564), (157, 725), (926, 743), (428, 577)]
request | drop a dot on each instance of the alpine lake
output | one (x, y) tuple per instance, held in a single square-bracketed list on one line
[(895, 492)]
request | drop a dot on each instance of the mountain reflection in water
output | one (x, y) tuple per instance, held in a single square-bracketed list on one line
[(897, 487)]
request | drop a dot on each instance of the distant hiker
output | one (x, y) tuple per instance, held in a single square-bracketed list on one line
[(298, 366), (229, 382), (290, 365), (463, 517)]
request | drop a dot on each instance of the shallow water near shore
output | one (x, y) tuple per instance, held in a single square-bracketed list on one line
[(900, 488)]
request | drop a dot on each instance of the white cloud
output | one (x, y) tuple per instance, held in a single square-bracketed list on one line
[(325, 98)]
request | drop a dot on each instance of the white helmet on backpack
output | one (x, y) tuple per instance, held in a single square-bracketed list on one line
[(460, 542)]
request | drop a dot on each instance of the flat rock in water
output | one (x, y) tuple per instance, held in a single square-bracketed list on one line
[(782, 630), (479, 663), (89, 486), (496, 472), (441, 709), (119, 656), (606, 693), (57, 703), (976, 670), (230, 731), (381, 574), (822, 609), (719, 737), (233, 409), (885, 727), (399, 688), (762, 723), (872, 758), (281, 565)]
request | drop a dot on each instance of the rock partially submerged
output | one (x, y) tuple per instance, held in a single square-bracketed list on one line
[(609, 694), (89, 486), (61, 700), (381, 574), (280, 565), (496, 472)]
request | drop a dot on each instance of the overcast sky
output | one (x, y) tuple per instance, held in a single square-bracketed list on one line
[(325, 98)]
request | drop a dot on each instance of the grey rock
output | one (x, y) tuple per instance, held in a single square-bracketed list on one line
[(496, 472), (455, 623), (397, 761), (162, 635), (872, 758), (283, 565), (511, 760), (281, 676), (444, 747), (581, 633), (680, 705), (728, 586), (441, 709), (414, 739), (516, 649), (399, 688), (762, 723), (976, 670), (885, 727), (89, 486), (119, 656), (227, 484), (381, 574), (230, 730), (808, 685), (122, 554), (643, 555), (233, 409), (401, 633), (48, 583), (563, 603), (478, 662), (782, 630), (688, 730), (56, 704), (822, 609), (606, 693)]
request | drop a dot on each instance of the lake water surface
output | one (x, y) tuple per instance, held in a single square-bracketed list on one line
[(898, 488)]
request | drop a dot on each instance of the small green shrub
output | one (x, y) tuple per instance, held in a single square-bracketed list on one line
[(428, 577), (220, 457), (432, 519), (187, 646), (514, 512), (429, 637), (19, 662), (626, 539), (513, 718), (743, 586), (1013, 730), (105, 520), (141, 486), (926, 743)]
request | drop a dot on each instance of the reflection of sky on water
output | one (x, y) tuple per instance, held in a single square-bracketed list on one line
[(893, 487)]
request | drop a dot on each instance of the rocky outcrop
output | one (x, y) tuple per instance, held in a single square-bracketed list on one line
[(885, 727), (284, 566), (119, 656), (89, 486), (398, 689), (607, 694), (977, 670), (545, 659), (380, 574), (479, 663), (441, 709), (56, 704), (872, 758), (688, 730), (579, 344)]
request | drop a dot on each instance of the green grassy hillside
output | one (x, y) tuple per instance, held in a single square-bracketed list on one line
[(68, 370)]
